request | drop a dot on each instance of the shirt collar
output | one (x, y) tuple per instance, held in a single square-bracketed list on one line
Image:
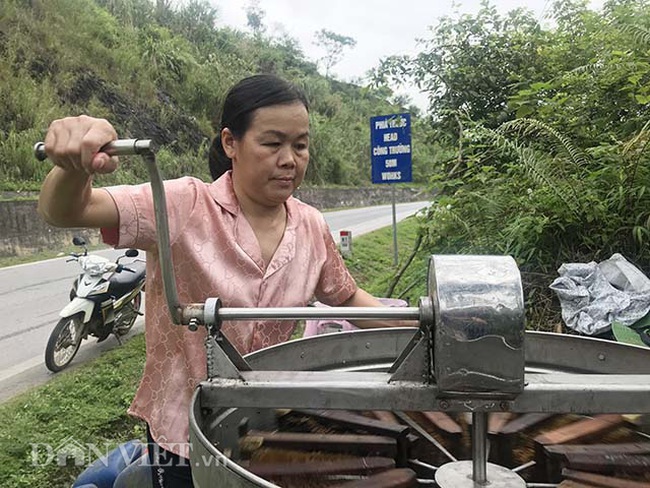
[(224, 193)]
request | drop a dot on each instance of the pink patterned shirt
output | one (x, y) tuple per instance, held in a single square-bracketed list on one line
[(215, 254)]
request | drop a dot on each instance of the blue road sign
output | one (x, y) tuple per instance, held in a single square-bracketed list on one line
[(390, 148)]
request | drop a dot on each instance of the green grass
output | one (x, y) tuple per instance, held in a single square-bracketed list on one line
[(372, 263), (89, 403)]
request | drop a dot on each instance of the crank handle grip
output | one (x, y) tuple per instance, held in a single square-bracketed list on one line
[(119, 147)]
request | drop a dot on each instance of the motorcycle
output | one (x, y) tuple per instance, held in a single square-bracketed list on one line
[(105, 299)]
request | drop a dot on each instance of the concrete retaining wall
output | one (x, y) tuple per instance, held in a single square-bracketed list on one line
[(22, 231)]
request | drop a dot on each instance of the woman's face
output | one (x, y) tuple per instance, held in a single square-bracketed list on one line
[(269, 161)]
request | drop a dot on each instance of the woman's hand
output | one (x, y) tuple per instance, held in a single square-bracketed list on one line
[(67, 198), (74, 144)]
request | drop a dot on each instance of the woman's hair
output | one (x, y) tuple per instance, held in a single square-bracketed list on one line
[(241, 102)]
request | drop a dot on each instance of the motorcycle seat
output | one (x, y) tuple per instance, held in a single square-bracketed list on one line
[(123, 282)]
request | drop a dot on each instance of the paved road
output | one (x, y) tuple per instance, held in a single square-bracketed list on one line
[(362, 220), (31, 296)]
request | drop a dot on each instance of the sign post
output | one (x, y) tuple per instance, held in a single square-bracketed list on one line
[(346, 243), (390, 155)]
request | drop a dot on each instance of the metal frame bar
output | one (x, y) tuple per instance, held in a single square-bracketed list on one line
[(298, 313), (551, 392), (479, 447)]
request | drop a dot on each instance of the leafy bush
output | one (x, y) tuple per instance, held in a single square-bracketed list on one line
[(549, 130)]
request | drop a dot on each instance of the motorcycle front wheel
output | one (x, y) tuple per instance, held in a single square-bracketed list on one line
[(64, 342), (125, 318)]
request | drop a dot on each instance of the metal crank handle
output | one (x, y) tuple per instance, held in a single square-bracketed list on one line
[(212, 313), (146, 149), (119, 147)]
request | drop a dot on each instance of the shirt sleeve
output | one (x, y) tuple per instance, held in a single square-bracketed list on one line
[(336, 284), (137, 227)]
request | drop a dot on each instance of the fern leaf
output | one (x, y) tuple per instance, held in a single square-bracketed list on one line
[(532, 127), (640, 34), (640, 139), (533, 166)]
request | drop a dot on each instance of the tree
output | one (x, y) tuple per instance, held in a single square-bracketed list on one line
[(334, 44), (255, 17), (133, 13), (470, 65), (196, 21), (164, 12)]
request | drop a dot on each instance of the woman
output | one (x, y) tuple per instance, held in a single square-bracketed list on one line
[(243, 238)]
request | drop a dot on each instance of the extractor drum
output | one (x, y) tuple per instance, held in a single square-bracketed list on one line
[(215, 433)]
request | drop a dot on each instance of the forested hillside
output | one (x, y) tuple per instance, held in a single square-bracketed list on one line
[(160, 69)]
